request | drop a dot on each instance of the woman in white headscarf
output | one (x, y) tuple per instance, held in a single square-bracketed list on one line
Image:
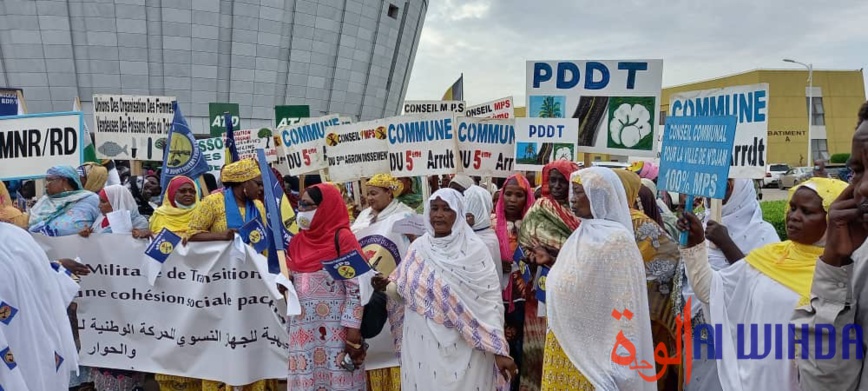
[(741, 230), (118, 198), (479, 207), (445, 306), (37, 350), (599, 275)]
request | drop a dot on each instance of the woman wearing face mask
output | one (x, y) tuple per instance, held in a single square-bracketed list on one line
[(445, 306), (219, 215), (599, 269), (179, 203), (545, 228), (331, 310), (764, 288)]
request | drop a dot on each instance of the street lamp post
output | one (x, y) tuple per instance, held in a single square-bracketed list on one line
[(810, 67)]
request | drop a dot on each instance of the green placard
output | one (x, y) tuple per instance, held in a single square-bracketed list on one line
[(218, 124), (288, 115)]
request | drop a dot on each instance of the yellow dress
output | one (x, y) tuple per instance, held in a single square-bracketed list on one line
[(559, 373), (384, 379), (210, 216)]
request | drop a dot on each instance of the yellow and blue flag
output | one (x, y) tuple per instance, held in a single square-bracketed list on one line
[(456, 91), (347, 266), (181, 155), (254, 234), (158, 251), (541, 284)]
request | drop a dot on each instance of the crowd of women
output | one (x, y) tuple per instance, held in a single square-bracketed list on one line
[(507, 287)]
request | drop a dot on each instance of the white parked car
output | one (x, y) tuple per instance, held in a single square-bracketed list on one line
[(773, 174), (795, 176)]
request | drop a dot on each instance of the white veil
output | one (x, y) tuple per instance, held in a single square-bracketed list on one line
[(600, 271)]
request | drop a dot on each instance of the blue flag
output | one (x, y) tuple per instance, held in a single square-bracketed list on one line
[(523, 268), (541, 284), (181, 155), (158, 251), (347, 266), (254, 234), (231, 149), (278, 236)]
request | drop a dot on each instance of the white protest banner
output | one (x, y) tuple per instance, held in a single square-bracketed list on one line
[(132, 127), (214, 152), (210, 314), (304, 144), (433, 106), (539, 141), (248, 140), (384, 249), (616, 102), (423, 144), (357, 151), (487, 147), (31, 144), (500, 109), (750, 104)]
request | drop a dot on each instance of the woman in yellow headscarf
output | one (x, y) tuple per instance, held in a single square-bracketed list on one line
[(661, 257), (93, 176), (217, 217), (179, 202), (376, 221), (763, 289), (8, 212)]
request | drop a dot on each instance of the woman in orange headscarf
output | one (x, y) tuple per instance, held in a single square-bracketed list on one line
[(8, 212)]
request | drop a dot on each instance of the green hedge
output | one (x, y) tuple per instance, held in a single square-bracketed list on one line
[(775, 213), (839, 158)]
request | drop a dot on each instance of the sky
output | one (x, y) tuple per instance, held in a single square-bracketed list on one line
[(491, 40)]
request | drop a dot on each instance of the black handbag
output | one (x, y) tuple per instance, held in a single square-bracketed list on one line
[(375, 314)]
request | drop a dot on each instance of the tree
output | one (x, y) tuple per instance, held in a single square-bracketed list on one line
[(266, 134), (550, 108)]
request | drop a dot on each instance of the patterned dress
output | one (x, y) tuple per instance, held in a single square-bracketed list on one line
[(316, 336)]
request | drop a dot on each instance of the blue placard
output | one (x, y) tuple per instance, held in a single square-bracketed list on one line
[(541, 284), (8, 105), (163, 245), (696, 155), (347, 266), (254, 234)]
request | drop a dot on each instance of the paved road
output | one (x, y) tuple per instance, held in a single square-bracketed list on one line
[(773, 194)]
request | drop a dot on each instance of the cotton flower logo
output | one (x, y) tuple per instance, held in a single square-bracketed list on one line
[(630, 124)]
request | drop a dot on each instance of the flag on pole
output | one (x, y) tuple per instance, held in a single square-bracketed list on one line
[(456, 91), (89, 149), (181, 155), (231, 150), (278, 236)]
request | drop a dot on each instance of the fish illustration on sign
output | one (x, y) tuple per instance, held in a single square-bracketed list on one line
[(112, 149)]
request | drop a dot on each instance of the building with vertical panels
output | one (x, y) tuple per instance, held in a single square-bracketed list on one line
[(837, 96), (351, 57)]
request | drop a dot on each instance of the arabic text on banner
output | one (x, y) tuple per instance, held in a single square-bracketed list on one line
[(210, 314)]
